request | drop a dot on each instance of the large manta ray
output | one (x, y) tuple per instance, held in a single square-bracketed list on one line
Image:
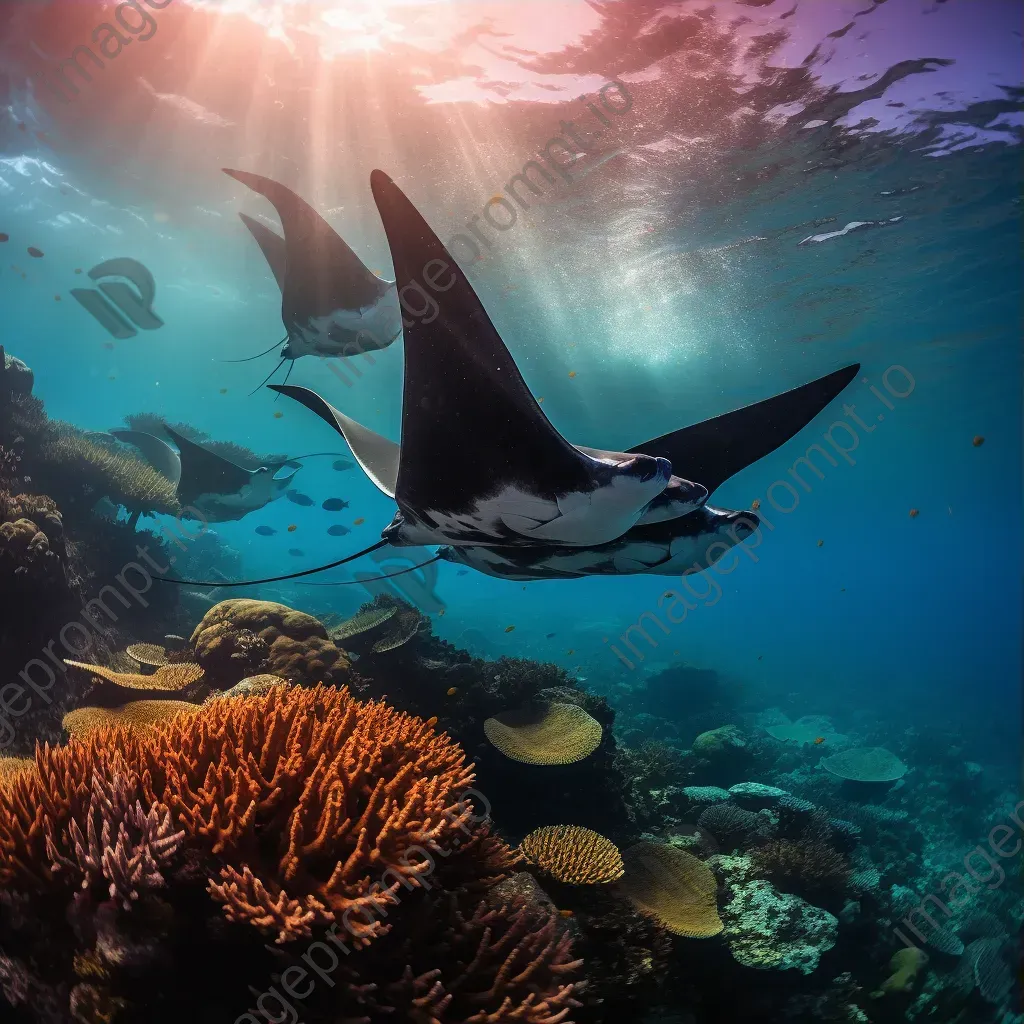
[(481, 471), (331, 304)]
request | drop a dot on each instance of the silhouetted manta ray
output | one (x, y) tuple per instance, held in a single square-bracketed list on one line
[(481, 467), (331, 304)]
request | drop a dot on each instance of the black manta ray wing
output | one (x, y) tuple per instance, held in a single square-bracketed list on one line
[(203, 472), (322, 274), (714, 450), (470, 425), (273, 246)]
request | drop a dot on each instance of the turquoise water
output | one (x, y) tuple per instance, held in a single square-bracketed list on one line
[(792, 189)]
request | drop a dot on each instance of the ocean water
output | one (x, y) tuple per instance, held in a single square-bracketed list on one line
[(731, 198)]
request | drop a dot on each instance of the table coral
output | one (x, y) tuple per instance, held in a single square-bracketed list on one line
[(242, 637)]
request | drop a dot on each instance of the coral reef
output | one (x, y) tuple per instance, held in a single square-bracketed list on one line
[(242, 637), (732, 827), (577, 856)]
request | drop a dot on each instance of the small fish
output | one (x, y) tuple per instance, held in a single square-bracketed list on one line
[(548, 636), (295, 552), (34, 252), (266, 531), (755, 504), (108, 345), (4, 237), (452, 690), (820, 543), (462, 572), (760, 656), (565, 913), (978, 441), (914, 513), (508, 629), (540, 401), (340, 465), (334, 505), (56, 298), (572, 373), (112, 377), (299, 498), (818, 740), (78, 270), (292, 527), (278, 414), (223, 391), (358, 522), (337, 531), (440, 613), (572, 650)]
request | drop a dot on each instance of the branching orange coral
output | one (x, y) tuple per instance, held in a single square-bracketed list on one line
[(316, 806)]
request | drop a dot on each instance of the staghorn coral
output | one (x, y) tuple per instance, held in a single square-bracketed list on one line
[(243, 637), (546, 733), (136, 714), (73, 465), (673, 887), (167, 677), (119, 843), (809, 867), (574, 855), (311, 804)]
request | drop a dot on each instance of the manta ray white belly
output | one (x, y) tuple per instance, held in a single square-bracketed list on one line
[(349, 332)]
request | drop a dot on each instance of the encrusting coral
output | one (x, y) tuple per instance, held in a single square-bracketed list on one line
[(293, 812), (548, 733), (578, 856), (242, 637)]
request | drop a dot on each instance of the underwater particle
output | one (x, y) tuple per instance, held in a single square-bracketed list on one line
[(4, 237), (278, 414), (508, 629), (112, 377), (358, 522), (266, 531), (223, 391), (298, 498), (452, 690), (574, 855), (78, 270), (292, 527), (755, 504), (440, 613), (160, 217), (109, 346), (540, 401), (462, 572), (978, 441), (296, 552), (914, 513), (555, 733), (674, 888), (820, 543), (337, 530), (333, 505), (572, 373), (56, 298), (34, 252), (572, 650), (818, 740), (548, 636)]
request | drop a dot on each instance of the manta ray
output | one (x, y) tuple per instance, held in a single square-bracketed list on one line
[(331, 304), (213, 485), (481, 471)]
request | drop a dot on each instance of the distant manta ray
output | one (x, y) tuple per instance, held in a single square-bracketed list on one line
[(482, 471), (211, 484), (331, 304)]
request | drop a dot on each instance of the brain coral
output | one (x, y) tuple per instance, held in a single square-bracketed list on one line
[(865, 764), (27, 555), (718, 742), (768, 930), (553, 733), (673, 887), (297, 646), (572, 854)]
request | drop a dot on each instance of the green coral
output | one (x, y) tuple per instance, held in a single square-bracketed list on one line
[(719, 741)]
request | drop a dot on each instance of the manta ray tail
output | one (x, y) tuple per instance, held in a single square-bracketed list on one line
[(274, 579), (249, 359), (373, 579)]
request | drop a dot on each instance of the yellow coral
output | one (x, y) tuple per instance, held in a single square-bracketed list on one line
[(553, 733), (167, 677), (139, 714), (674, 888), (573, 854), (905, 965)]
